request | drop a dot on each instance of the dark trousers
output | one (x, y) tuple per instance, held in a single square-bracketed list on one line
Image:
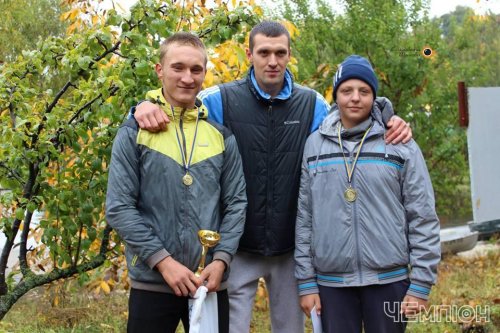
[(161, 312), (347, 309)]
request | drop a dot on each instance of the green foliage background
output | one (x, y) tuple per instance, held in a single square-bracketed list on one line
[(25, 22)]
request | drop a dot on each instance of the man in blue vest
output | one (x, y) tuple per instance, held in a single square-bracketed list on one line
[(271, 118)]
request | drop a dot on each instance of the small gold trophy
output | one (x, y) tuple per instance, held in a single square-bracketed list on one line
[(208, 239)]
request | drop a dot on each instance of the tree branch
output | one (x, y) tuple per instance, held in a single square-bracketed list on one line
[(12, 113), (49, 109), (12, 173), (112, 92), (24, 236), (57, 98), (120, 55), (27, 194), (4, 258), (108, 51), (33, 281)]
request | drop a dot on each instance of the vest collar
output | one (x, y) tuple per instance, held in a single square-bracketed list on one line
[(284, 94)]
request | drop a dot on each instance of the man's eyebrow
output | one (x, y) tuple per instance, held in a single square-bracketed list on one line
[(177, 64), (269, 49)]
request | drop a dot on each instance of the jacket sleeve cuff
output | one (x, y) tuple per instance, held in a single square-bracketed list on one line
[(224, 257), (156, 258), (307, 287), (131, 111), (419, 289)]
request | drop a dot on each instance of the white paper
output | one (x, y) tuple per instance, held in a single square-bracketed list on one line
[(203, 316), (316, 321)]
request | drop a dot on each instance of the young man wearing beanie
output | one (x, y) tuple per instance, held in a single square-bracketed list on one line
[(367, 234)]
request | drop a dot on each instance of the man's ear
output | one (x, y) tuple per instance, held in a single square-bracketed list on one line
[(249, 55), (159, 71)]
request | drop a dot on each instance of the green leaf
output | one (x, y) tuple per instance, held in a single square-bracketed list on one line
[(19, 214), (84, 62)]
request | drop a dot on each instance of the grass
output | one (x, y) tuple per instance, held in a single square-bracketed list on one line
[(462, 282)]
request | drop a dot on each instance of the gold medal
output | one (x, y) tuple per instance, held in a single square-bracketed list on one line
[(187, 179), (350, 194)]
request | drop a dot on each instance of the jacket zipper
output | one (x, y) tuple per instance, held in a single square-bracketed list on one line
[(356, 227), (270, 187)]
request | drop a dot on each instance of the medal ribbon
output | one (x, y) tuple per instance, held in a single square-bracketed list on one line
[(350, 171), (182, 148)]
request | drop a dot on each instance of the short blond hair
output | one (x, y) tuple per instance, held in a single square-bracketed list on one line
[(182, 38)]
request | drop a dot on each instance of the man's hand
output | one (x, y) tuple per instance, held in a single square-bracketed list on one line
[(398, 131), (213, 275), (412, 305), (151, 117), (178, 277), (307, 303)]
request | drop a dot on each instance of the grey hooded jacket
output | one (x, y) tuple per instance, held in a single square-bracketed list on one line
[(390, 232)]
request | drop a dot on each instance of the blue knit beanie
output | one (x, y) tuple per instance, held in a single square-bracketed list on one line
[(355, 67)]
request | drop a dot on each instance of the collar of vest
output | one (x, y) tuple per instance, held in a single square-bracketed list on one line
[(284, 94)]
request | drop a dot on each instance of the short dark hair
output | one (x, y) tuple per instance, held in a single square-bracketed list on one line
[(182, 38), (268, 29)]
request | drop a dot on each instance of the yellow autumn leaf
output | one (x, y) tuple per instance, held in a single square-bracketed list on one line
[(105, 287), (329, 94), (227, 76), (292, 29), (209, 79), (64, 16), (382, 76), (73, 13), (71, 28), (220, 66), (258, 10), (233, 60)]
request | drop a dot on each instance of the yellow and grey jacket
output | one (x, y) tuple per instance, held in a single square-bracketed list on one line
[(155, 213)]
